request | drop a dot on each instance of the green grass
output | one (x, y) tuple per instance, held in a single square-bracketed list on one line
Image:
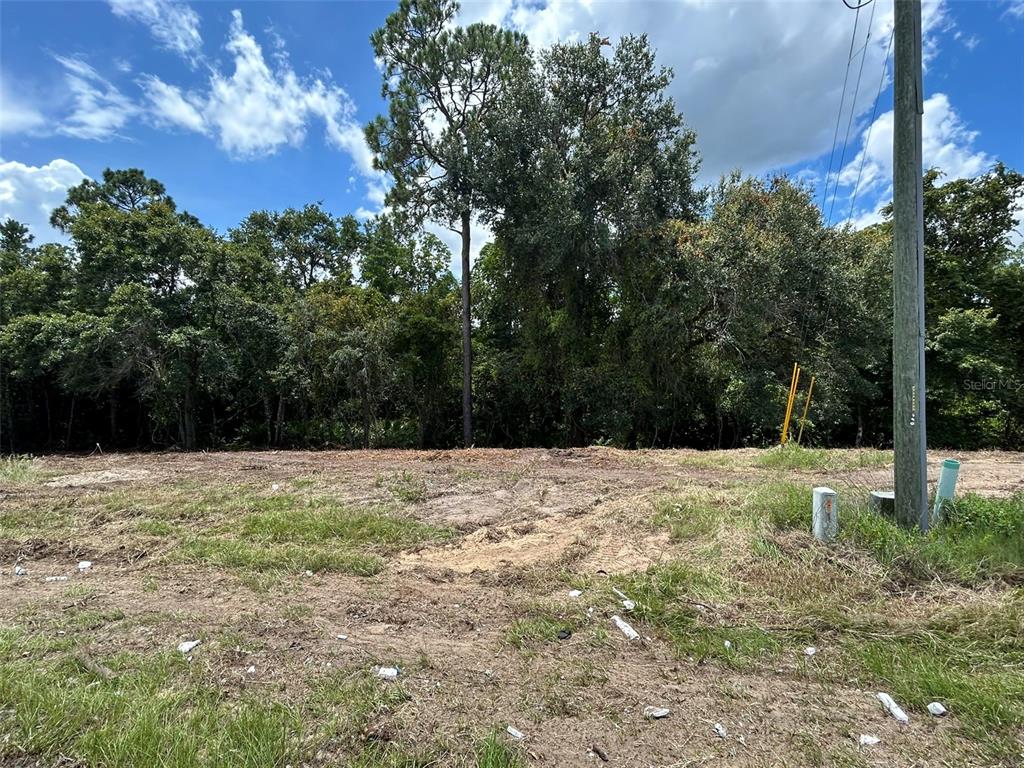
[(794, 456), (404, 486), (160, 710), (151, 712), (688, 517), (19, 470), (494, 751), (290, 558), (292, 534), (287, 518), (670, 600), (981, 538)]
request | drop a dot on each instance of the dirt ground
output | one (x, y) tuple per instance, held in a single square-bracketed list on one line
[(531, 525)]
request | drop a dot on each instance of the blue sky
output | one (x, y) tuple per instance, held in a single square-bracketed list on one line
[(238, 106)]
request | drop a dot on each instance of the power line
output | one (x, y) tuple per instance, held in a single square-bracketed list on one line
[(853, 111), (842, 101), (867, 137)]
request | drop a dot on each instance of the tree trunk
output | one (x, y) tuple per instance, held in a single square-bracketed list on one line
[(113, 418), (269, 416), (71, 424), (279, 425), (467, 340), (188, 420)]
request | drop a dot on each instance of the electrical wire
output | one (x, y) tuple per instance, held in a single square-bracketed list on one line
[(853, 111), (842, 101), (867, 136)]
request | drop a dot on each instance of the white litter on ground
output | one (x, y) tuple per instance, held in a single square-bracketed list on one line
[(515, 733), (656, 713), (628, 631), (84, 565), (575, 593), (386, 673), (188, 645), (56, 578), (810, 650), (251, 670), (19, 571), (937, 709), (720, 730), (275, 487), (627, 604), (892, 707), (343, 637), (728, 645), (867, 740)]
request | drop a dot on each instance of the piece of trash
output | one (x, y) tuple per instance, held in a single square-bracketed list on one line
[(275, 487), (188, 645), (343, 637), (600, 753), (628, 631), (515, 733), (656, 713), (564, 634), (867, 740), (728, 645), (19, 571), (720, 730), (307, 573), (488, 672), (251, 670), (386, 673), (84, 565), (575, 592), (56, 578), (937, 709), (810, 650), (628, 604), (892, 707)]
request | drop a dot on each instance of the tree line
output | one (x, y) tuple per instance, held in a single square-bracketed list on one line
[(619, 302)]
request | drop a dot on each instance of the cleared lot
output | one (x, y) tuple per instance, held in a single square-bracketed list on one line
[(301, 572)]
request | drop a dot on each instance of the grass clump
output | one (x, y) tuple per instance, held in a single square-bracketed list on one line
[(687, 517), (494, 751), (19, 470), (287, 518), (290, 558), (793, 456), (976, 682), (980, 539), (404, 486), (671, 598), (287, 533), (148, 713)]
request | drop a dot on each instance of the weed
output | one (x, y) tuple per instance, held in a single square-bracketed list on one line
[(406, 487), (292, 558), (494, 751), (796, 457), (688, 517), (19, 470)]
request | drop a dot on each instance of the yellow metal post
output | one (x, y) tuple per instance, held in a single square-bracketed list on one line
[(789, 402), (803, 419)]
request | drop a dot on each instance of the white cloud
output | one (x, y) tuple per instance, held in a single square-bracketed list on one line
[(29, 193), (99, 109), (174, 25), (946, 143), (255, 109), (760, 82), (17, 117), (169, 106)]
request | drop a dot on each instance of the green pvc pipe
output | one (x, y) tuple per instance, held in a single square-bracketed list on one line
[(947, 486)]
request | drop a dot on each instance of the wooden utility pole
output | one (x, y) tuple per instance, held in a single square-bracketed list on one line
[(911, 478)]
